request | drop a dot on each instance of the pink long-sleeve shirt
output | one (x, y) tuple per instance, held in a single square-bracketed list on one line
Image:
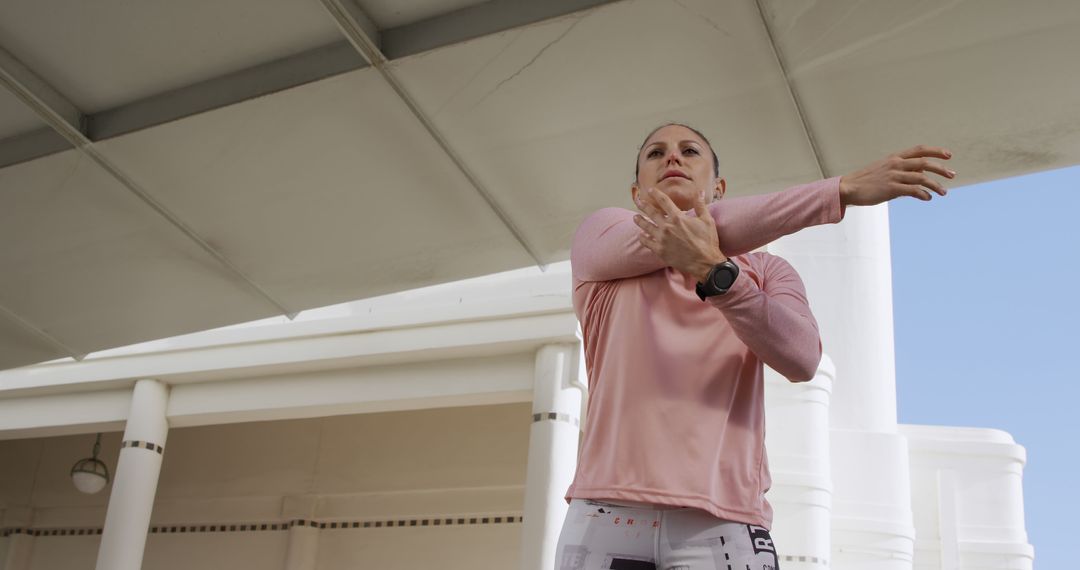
[(676, 412)]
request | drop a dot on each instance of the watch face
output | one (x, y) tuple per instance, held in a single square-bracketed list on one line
[(723, 278)]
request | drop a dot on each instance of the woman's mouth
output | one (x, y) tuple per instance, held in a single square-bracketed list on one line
[(673, 174)]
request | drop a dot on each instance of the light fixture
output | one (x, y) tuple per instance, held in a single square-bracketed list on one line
[(90, 475)]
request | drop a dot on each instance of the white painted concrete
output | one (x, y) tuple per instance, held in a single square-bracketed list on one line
[(553, 445), (968, 499), (797, 441), (132, 500), (847, 271), (432, 421)]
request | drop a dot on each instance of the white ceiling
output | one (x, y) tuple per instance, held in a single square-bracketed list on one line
[(108, 53), (394, 13), (318, 187), (15, 117)]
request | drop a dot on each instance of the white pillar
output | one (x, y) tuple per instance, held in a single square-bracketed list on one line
[(797, 440), (132, 498), (872, 523), (847, 269), (969, 498), (553, 447), (20, 547), (303, 548)]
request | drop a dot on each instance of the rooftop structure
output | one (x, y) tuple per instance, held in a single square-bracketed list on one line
[(169, 169)]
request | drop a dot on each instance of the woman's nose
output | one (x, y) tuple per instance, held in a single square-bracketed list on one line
[(673, 156)]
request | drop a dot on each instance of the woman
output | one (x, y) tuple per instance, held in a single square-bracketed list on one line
[(678, 320)]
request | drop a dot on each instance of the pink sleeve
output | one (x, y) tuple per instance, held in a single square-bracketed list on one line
[(606, 245), (774, 321)]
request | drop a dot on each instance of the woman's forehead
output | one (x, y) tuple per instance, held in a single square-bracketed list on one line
[(676, 133)]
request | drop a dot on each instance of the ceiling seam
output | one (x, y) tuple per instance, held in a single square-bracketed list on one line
[(41, 334), (81, 142), (33, 91), (284, 73), (792, 92), (355, 33)]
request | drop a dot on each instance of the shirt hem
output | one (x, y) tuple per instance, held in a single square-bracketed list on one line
[(669, 499)]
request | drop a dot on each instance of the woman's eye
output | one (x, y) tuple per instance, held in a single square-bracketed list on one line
[(690, 150), (652, 153)]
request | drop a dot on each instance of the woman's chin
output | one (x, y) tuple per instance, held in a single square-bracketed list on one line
[(682, 202)]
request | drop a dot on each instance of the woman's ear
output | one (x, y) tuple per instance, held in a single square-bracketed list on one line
[(721, 187), (634, 192)]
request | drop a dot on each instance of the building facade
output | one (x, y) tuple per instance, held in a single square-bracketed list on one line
[(440, 427)]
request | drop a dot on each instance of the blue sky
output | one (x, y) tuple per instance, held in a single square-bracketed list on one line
[(986, 300)]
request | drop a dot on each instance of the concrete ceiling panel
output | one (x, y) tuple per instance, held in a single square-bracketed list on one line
[(992, 81), (322, 194), (15, 117), (394, 13), (107, 53), (550, 116), (89, 264), (19, 345), (332, 191)]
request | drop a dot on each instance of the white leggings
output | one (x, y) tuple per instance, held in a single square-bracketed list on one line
[(598, 535)]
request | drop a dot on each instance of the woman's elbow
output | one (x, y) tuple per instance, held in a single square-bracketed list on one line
[(805, 368), (803, 375)]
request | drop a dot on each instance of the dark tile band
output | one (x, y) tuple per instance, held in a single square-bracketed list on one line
[(278, 526), (557, 416), (143, 445), (49, 531)]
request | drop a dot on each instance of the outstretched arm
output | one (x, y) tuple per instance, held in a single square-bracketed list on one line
[(606, 244)]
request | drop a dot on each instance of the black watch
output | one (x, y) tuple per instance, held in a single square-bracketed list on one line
[(721, 277)]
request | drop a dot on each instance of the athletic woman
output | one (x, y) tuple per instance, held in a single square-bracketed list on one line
[(679, 318)]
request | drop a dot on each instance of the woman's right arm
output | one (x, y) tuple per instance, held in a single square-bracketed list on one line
[(606, 244)]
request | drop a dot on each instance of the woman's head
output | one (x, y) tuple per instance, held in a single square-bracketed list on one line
[(678, 161)]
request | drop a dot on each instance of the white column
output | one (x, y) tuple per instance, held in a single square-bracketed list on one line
[(20, 547), (969, 498), (872, 523), (797, 440), (847, 269), (553, 447), (303, 548), (132, 498)]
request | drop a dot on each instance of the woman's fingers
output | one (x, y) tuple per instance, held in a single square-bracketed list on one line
[(920, 179), (664, 202), (915, 192), (923, 164), (646, 225), (646, 205), (920, 151), (647, 241)]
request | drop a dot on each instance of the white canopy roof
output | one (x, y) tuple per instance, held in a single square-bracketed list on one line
[(173, 167)]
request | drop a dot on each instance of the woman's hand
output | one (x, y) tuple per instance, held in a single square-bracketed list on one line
[(900, 174), (686, 243)]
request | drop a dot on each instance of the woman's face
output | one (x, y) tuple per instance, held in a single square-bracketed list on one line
[(677, 162)]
